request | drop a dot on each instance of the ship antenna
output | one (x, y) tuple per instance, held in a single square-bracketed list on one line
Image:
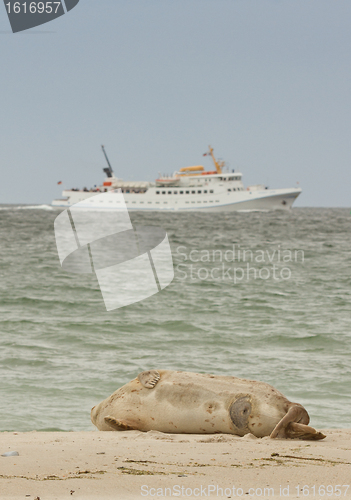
[(108, 171)]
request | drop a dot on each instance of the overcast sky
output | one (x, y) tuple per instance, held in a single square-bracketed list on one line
[(267, 83)]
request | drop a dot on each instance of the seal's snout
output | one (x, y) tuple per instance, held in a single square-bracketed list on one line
[(240, 411)]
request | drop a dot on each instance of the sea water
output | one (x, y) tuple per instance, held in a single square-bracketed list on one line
[(263, 296)]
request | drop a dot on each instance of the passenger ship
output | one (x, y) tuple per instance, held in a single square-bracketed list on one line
[(189, 189)]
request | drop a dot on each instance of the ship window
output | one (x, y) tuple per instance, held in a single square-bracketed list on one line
[(158, 202), (141, 202), (149, 201), (157, 192), (211, 190), (193, 202), (230, 189), (186, 192), (200, 191), (205, 201), (205, 191), (169, 192), (217, 201), (163, 192), (211, 201), (186, 202), (133, 201), (175, 192), (193, 192), (181, 192), (165, 202), (234, 189)]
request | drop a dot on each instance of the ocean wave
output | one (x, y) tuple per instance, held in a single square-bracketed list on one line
[(35, 207), (27, 207)]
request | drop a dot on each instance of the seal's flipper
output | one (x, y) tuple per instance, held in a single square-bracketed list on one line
[(296, 413), (301, 431), (149, 379), (119, 425)]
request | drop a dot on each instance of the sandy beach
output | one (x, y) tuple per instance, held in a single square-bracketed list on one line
[(133, 464)]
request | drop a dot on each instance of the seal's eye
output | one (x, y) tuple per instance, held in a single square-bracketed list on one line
[(240, 411)]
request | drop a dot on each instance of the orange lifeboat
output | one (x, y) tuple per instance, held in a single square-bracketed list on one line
[(192, 169)]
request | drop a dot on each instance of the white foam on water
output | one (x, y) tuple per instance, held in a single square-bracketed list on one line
[(34, 207), (27, 207)]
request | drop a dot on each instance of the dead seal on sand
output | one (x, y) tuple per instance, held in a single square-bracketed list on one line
[(194, 403)]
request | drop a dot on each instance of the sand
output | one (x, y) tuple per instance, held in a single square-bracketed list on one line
[(133, 464)]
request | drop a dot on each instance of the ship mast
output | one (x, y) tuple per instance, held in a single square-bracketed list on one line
[(108, 171), (218, 164)]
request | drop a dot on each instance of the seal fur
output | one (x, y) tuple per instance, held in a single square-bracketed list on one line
[(185, 402)]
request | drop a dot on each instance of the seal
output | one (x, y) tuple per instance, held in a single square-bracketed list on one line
[(193, 403)]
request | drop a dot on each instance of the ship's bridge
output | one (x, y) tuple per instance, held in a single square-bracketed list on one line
[(232, 176), (206, 178)]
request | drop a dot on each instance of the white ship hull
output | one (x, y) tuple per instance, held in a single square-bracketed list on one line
[(265, 200)]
